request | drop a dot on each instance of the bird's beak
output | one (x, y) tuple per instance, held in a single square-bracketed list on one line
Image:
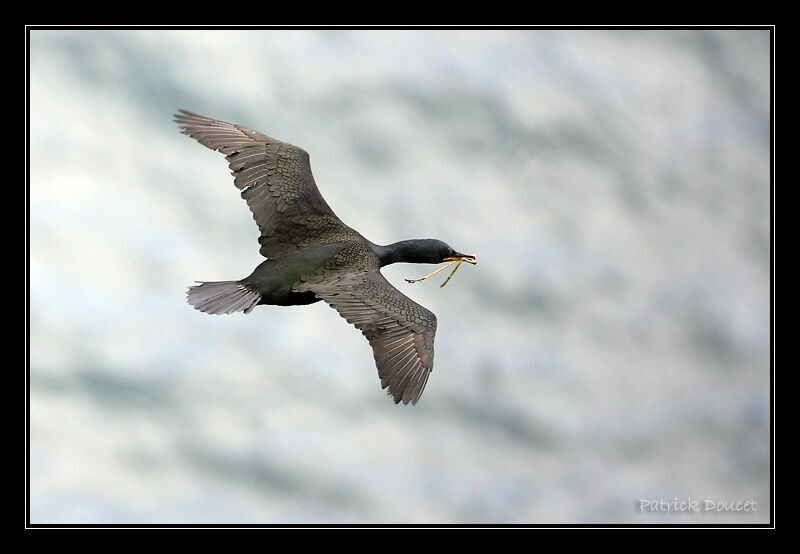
[(458, 257)]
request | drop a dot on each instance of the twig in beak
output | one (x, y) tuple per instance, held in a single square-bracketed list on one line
[(452, 272), (431, 274), (457, 261)]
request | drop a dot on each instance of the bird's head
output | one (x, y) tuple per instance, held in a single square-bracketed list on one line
[(432, 251)]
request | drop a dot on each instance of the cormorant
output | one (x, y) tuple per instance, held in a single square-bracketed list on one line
[(311, 256)]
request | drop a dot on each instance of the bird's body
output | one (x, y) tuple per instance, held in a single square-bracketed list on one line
[(276, 280), (313, 256)]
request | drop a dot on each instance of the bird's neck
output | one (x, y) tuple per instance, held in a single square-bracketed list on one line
[(405, 251)]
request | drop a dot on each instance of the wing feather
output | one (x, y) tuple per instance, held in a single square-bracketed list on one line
[(400, 331), (276, 182)]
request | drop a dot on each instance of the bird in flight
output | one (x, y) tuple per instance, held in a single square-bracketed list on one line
[(312, 256)]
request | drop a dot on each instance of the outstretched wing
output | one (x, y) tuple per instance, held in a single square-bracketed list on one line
[(276, 181), (400, 331)]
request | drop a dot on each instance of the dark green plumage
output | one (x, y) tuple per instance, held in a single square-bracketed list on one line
[(311, 256)]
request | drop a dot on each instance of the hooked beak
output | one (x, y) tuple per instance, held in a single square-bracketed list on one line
[(458, 257)]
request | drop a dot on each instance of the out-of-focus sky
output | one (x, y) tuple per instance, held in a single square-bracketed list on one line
[(610, 350)]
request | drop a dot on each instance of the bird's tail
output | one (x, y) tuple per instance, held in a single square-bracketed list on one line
[(222, 297)]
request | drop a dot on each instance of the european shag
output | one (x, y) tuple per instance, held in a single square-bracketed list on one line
[(311, 256)]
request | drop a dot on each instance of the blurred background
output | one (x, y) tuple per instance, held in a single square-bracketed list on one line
[(611, 347)]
